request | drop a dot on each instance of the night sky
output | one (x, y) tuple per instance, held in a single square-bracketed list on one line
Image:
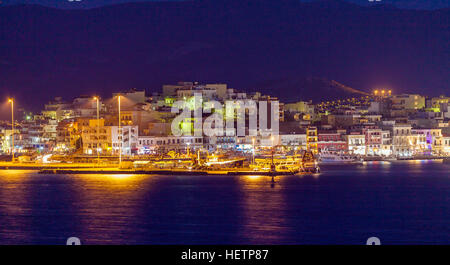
[(253, 45), (414, 4)]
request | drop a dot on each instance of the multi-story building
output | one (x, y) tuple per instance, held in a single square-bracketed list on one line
[(373, 139), (436, 102), (446, 145), (301, 107), (245, 143), (427, 141), (63, 135), (154, 144), (356, 143), (35, 138), (6, 137), (97, 138), (312, 140), (184, 90), (402, 140), (141, 118), (2, 139), (50, 132), (386, 143), (58, 110), (224, 142), (408, 102), (293, 141), (125, 139), (331, 141)]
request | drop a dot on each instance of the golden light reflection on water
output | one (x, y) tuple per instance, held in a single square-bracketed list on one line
[(111, 181), (263, 209), (12, 175), (254, 177), (109, 201), (14, 201), (124, 177)]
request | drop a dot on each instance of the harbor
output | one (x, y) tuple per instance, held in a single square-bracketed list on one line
[(200, 162), (182, 164), (176, 164)]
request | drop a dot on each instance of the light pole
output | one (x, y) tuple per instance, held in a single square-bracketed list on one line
[(12, 126), (188, 149), (98, 129), (253, 144), (273, 151), (120, 134)]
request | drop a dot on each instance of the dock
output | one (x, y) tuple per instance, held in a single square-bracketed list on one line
[(163, 172)]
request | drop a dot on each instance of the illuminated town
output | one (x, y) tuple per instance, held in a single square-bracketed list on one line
[(131, 130), (224, 131)]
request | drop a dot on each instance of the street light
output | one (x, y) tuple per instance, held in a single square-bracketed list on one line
[(188, 149), (272, 167), (98, 128), (11, 101), (253, 144), (120, 133)]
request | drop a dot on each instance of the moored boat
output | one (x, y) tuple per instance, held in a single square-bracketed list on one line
[(334, 158)]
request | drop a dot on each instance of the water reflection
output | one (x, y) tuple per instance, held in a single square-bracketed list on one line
[(346, 204), (263, 208), (14, 206), (109, 205)]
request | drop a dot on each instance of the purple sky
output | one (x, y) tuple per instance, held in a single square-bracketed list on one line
[(46, 54), (414, 4)]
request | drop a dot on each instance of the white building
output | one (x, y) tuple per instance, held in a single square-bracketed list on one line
[(155, 144), (386, 143), (356, 144), (402, 140), (446, 145), (127, 141), (296, 141), (427, 141)]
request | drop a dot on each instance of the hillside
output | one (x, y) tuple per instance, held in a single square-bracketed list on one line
[(315, 89)]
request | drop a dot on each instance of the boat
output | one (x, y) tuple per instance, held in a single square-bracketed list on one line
[(282, 163), (379, 158), (335, 158)]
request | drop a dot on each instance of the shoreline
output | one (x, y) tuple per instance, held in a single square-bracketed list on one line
[(113, 169), (90, 169), (164, 172)]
